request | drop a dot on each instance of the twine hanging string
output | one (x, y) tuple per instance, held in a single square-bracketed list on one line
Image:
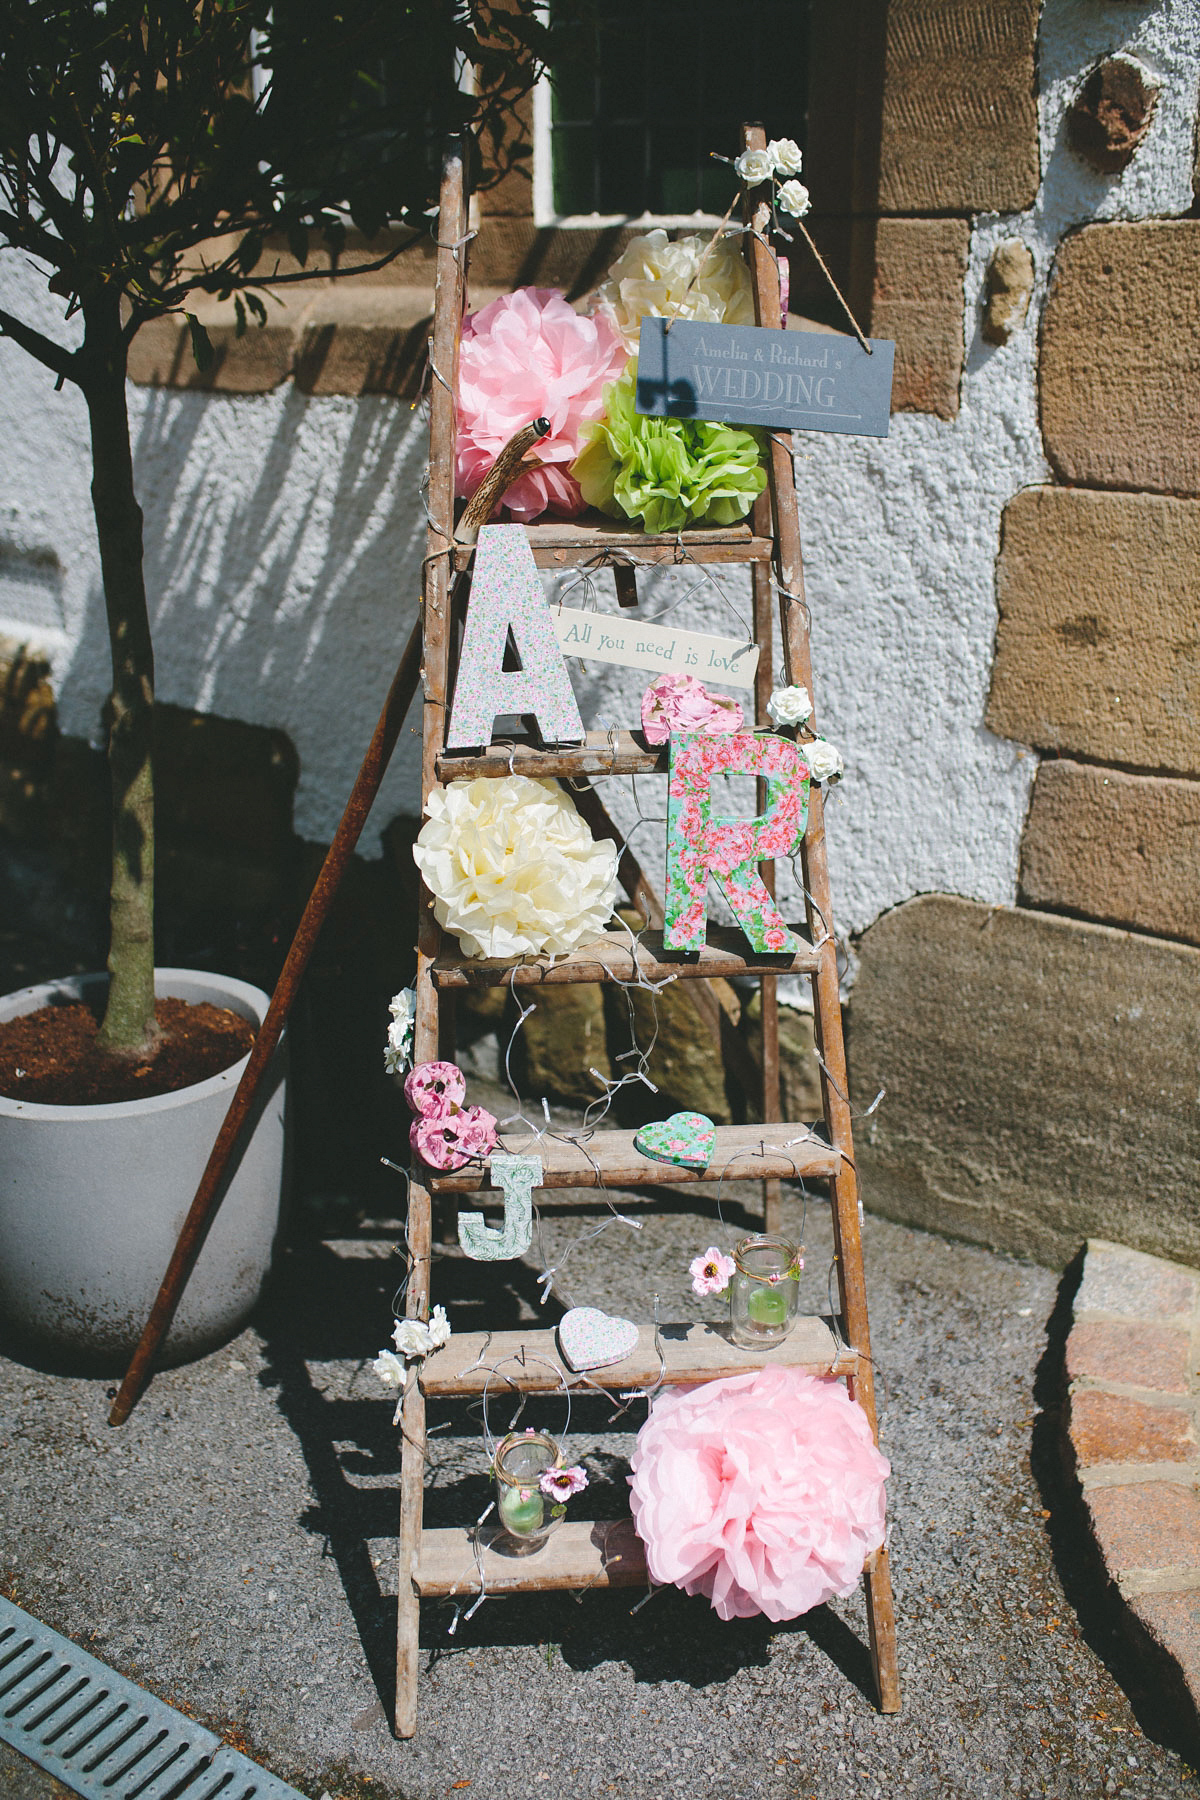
[(781, 231)]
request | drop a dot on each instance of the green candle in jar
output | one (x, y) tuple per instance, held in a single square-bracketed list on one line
[(767, 1304), (522, 1510)]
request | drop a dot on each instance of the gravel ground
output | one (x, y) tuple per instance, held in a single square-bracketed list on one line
[(232, 1547)]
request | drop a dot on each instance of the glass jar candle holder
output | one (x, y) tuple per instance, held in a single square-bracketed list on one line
[(763, 1292), (526, 1513)]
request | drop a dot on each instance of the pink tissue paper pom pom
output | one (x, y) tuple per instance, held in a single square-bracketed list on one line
[(682, 703), (763, 1492), (529, 355)]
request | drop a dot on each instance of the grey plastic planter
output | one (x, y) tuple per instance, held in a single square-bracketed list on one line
[(92, 1199)]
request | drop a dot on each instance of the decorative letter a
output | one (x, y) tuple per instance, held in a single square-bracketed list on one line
[(506, 596)]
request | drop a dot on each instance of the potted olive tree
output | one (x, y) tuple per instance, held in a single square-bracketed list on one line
[(148, 154)]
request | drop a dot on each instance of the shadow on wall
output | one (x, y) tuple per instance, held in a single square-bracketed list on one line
[(283, 563)]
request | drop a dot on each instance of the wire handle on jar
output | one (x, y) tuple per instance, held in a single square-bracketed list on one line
[(495, 1369)]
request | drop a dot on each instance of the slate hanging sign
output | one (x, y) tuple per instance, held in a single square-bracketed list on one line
[(751, 375)]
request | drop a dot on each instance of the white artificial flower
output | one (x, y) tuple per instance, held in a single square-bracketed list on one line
[(389, 1368), (412, 1337), (753, 166), (824, 760), (403, 1008), (793, 198), (790, 706), (785, 156), (513, 869), (655, 277)]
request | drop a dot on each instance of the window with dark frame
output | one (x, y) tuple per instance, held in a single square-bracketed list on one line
[(659, 86)]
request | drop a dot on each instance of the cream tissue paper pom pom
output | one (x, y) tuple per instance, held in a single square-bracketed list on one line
[(513, 869), (653, 274)]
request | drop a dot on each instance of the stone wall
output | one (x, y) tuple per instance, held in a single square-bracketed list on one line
[(1044, 1088)]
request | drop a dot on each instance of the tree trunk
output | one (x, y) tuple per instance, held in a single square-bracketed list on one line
[(129, 1027)]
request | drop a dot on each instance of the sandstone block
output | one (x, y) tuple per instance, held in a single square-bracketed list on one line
[(1133, 1285), (1040, 1076), (161, 356), (799, 1075), (1137, 1353), (917, 299), (685, 1064), (925, 108), (966, 141), (560, 1042), (361, 359), (1096, 650), (1146, 1525), (1113, 1428), (364, 340), (1117, 374), (1122, 848)]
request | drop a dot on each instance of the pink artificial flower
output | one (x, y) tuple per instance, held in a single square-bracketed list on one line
[(681, 703), (530, 355), (560, 1484), (712, 1272)]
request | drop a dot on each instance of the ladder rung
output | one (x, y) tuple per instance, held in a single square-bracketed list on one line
[(576, 1554), (691, 1352), (567, 543), (611, 958), (604, 753), (608, 1159)]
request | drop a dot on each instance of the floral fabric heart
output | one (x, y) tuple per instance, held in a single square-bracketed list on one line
[(686, 1138), (591, 1339)]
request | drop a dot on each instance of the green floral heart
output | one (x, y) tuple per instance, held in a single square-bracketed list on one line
[(686, 1138)]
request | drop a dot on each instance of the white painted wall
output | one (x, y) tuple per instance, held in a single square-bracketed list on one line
[(284, 538)]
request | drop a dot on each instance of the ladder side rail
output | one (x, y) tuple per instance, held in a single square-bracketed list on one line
[(764, 279), (772, 1109), (449, 298), (798, 670)]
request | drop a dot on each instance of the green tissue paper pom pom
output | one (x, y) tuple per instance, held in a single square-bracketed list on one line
[(667, 472)]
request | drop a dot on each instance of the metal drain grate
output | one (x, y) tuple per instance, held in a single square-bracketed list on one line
[(103, 1735)]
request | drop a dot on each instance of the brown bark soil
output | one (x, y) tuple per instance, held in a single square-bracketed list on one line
[(50, 1056)]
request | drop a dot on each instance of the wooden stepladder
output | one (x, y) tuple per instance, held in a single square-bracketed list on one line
[(434, 1564)]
